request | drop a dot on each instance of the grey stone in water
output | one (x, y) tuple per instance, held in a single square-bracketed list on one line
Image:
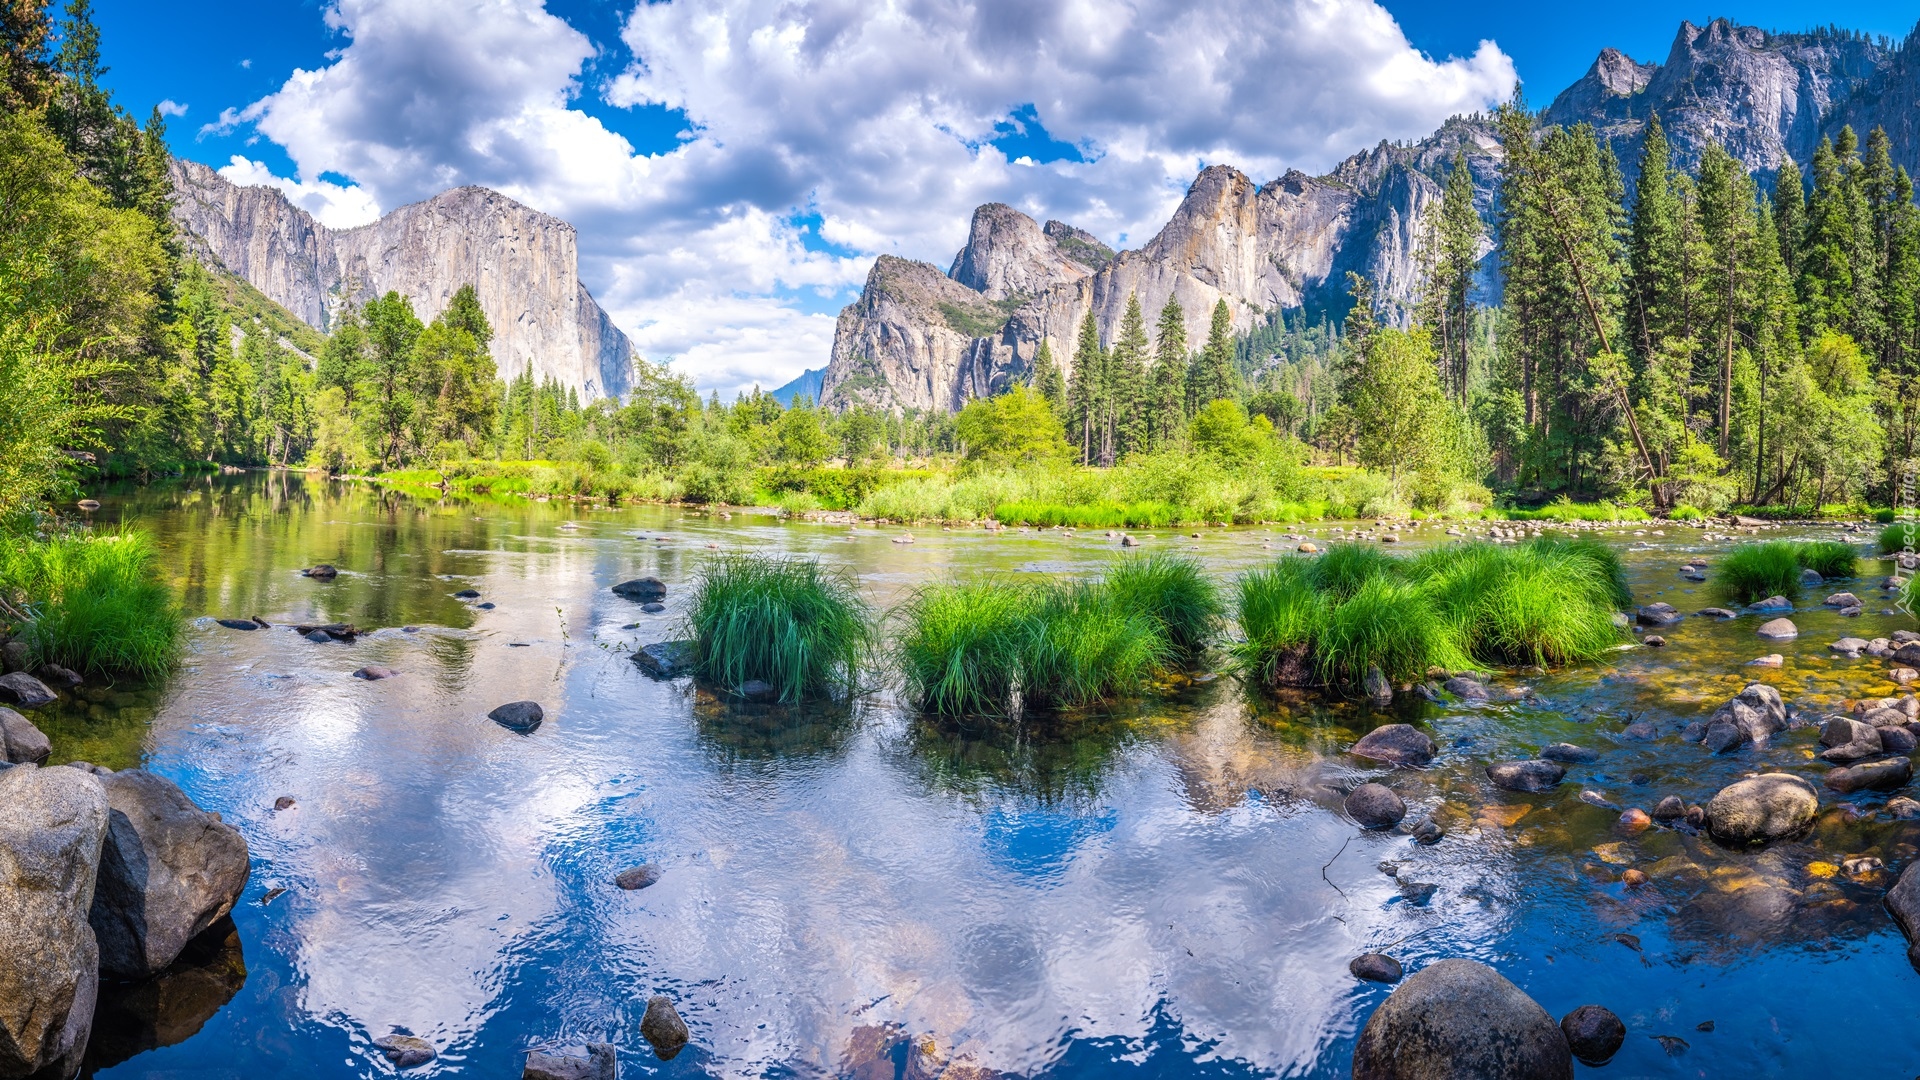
[(15, 656), (238, 624), (638, 877), (1719, 613), (1843, 599), (374, 673), (1376, 967), (1400, 744), (322, 572), (1811, 577), (168, 871), (598, 1063), (663, 1028), (1753, 715), (1695, 731), (1896, 740), (1428, 832), (1654, 641), (467, 594), (1849, 740), (1902, 637), (52, 824), (1659, 615), (318, 637), (1535, 775), (405, 1051), (1850, 647), (1902, 808), (1595, 798), (1567, 752), (1466, 688), (1379, 691), (1762, 808), (756, 690), (58, 677), (1458, 1019), (1417, 893), (1670, 808), (22, 689), (483, 607), (1593, 1033), (666, 659), (1641, 730), (1772, 603), (1908, 653), (519, 716), (1375, 806), (653, 608), (644, 590), (1778, 630), (1887, 774), (20, 742), (1903, 900)]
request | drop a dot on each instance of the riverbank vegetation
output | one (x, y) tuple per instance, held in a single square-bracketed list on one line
[(92, 603), (799, 627), (1753, 572)]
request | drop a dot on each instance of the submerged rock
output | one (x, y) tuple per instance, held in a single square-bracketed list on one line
[(22, 689), (52, 824), (666, 659), (322, 572), (646, 590), (1772, 603), (1399, 744), (1896, 740), (638, 877), (405, 1051), (1428, 832), (756, 690), (20, 742), (1669, 809), (374, 673), (1568, 752), (598, 1063), (1466, 688), (1753, 715), (1769, 660), (1778, 630), (1375, 806), (1843, 600), (1719, 613), (1887, 774), (1761, 809), (1811, 577), (519, 716), (1535, 775), (1378, 690), (171, 1007), (1850, 647), (238, 624), (1376, 967), (1659, 615), (467, 594), (168, 871), (1456, 1020), (1593, 1033), (663, 1028)]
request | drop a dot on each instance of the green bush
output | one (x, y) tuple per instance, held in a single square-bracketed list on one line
[(96, 603), (1753, 572), (960, 646), (1828, 558), (1176, 594), (1895, 538), (787, 622)]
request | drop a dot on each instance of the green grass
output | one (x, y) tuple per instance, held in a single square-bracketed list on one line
[(1344, 568), (1894, 538), (1389, 623), (1564, 509), (959, 649), (96, 602), (791, 623), (1605, 561), (1829, 558), (1685, 513), (1082, 646), (1097, 515), (1753, 572), (1176, 594)]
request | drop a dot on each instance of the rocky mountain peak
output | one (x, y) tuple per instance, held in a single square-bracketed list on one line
[(1079, 245), (1009, 254)]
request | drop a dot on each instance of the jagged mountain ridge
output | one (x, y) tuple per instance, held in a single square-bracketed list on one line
[(1287, 245), (524, 265)]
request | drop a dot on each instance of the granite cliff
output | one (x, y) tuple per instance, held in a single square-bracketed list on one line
[(524, 264), (918, 338)]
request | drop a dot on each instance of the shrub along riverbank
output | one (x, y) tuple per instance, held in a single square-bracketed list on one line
[(91, 603), (994, 646), (1753, 572)]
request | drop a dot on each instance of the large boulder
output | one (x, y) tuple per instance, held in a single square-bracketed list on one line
[(22, 689), (169, 870), (1398, 744), (662, 1027), (52, 823), (1749, 717), (20, 742), (1762, 808), (172, 1007), (1903, 900), (1848, 740), (1460, 1020), (1375, 806), (644, 590)]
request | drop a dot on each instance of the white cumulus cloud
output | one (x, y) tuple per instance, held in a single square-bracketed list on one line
[(337, 206), (872, 118)]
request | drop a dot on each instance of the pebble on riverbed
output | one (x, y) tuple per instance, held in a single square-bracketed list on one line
[(1376, 967), (1375, 806)]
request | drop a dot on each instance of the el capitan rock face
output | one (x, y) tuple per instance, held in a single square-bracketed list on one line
[(524, 264)]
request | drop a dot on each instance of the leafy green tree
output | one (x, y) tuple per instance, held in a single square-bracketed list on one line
[(803, 441), (389, 385), (455, 392), (860, 432), (1014, 428), (1223, 430)]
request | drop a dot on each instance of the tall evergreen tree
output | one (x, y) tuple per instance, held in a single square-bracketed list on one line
[(1790, 215), (1826, 272), (392, 330), (1167, 412), (1653, 250), (1211, 376), (1126, 406), (1046, 380), (1086, 391), (1729, 227), (1452, 254)]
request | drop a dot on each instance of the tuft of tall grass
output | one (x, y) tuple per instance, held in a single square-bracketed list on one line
[(1753, 572), (1281, 617), (960, 647), (1547, 605), (1685, 513), (1343, 568), (1605, 561), (1176, 594), (96, 602), (1389, 623), (1828, 558), (1895, 537), (791, 623), (1082, 646)]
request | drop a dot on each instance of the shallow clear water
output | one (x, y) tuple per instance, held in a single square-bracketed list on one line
[(1167, 891)]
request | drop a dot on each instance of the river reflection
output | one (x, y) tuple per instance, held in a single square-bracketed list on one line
[(1169, 889)]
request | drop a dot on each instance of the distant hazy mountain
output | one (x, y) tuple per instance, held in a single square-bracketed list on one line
[(807, 385)]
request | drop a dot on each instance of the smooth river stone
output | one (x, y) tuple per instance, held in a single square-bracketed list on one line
[(1778, 630), (1400, 744)]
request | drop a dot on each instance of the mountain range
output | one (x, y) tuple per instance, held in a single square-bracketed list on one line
[(924, 337)]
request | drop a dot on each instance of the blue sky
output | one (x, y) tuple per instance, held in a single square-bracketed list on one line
[(734, 165)]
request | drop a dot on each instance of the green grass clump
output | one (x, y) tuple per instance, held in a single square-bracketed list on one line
[(1097, 515), (1828, 558), (1176, 594), (1082, 646), (1753, 572), (1565, 509), (1388, 623), (1547, 605), (1281, 615), (1605, 561), (1894, 538), (790, 623), (1343, 568), (1686, 513), (960, 648), (96, 603)]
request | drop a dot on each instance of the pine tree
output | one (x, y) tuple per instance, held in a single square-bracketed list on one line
[(1126, 407), (1046, 380), (1790, 216), (1167, 413), (1085, 390), (1826, 274), (1729, 227), (1211, 376), (1653, 249), (1457, 239)]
